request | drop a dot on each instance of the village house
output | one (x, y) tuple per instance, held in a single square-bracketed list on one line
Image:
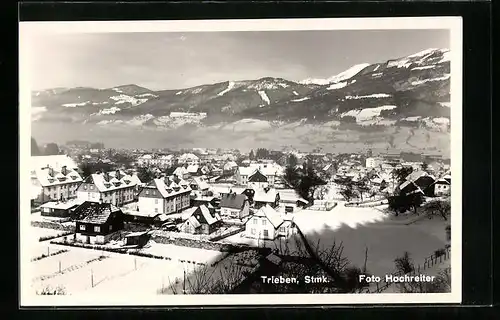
[(257, 180), (61, 209), (423, 180), (230, 166), (97, 222), (290, 201), (270, 170), (442, 187), (234, 206), (115, 187), (199, 186), (189, 159), (194, 170), (266, 196), (167, 195), (181, 172), (264, 224), (372, 162), (202, 221), (54, 185)]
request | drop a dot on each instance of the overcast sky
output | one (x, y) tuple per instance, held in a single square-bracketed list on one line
[(175, 61)]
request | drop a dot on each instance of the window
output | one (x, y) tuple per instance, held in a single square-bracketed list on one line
[(91, 187), (156, 210), (156, 201), (264, 221), (282, 229), (82, 227), (97, 229), (255, 221), (266, 233), (147, 192), (110, 227), (84, 187), (252, 231)]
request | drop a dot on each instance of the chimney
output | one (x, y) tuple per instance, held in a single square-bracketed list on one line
[(64, 170)]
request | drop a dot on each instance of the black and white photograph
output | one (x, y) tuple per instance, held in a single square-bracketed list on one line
[(234, 162)]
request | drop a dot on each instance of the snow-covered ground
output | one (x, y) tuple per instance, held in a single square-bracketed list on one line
[(230, 86), (115, 273), (44, 232), (264, 97), (361, 228), (367, 113), (337, 86)]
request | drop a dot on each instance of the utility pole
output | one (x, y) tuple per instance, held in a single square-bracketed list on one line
[(184, 283), (92, 277), (59, 266), (135, 263)]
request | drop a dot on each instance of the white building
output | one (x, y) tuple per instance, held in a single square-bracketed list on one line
[(54, 185), (266, 224), (162, 161), (270, 171), (373, 162), (167, 195), (115, 187), (189, 159)]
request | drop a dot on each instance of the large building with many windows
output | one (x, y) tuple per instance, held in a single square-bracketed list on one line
[(165, 196), (50, 184), (114, 187)]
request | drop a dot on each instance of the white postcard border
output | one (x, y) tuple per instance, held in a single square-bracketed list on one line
[(34, 29)]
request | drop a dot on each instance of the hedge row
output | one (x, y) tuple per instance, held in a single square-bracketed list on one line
[(49, 255), (55, 236), (52, 225)]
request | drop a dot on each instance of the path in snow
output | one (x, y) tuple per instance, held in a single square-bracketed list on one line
[(264, 97)]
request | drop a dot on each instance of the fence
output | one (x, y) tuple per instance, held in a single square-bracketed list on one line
[(227, 234), (439, 256), (53, 225), (367, 204), (321, 205)]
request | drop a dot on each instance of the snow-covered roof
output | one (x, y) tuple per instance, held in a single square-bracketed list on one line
[(180, 171), (188, 156), (51, 177), (35, 191), (265, 195), (290, 195), (169, 186), (94, 212), (61, 205), (271, 215), (192, 168), (114, 180), (202, 184), (203, 215)]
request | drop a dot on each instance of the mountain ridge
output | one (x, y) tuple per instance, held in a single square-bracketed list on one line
[(411, 91)]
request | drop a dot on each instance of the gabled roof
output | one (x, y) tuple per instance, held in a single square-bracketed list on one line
[(265, 195), (257, 176), (233, 201), (48, 176), (108, 181), (170, 186), (94, 212), (202, 215), (291, 195), (202, 184), (415, 175), (274, 217)]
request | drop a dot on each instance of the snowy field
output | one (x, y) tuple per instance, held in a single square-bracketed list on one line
[(85, 271), (37, 233), (359, 229)]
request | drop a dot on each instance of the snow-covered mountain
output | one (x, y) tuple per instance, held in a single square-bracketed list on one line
[(345, 75), (411, 91)]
